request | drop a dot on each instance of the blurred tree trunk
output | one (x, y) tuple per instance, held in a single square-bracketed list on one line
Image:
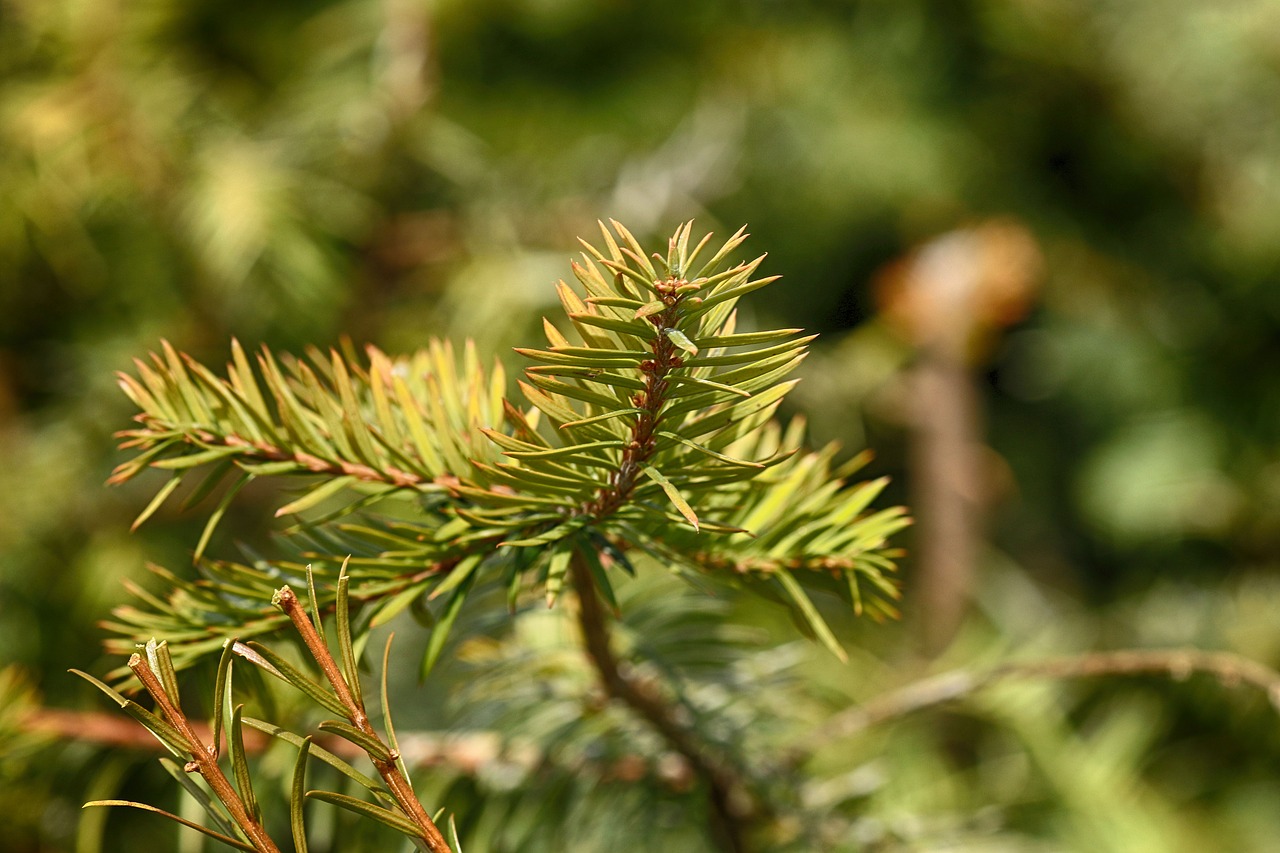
[(951, 299)]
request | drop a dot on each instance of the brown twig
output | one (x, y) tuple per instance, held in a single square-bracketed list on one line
[(387, 767), (472, 753), (204, 759), (103, 729), (257, 451), (732, 803), (1227, 667)]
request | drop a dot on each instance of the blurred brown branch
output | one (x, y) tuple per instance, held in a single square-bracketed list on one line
[(1228, 668), (465, 752)]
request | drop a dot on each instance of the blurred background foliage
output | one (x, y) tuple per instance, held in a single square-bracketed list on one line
[(294, 171)]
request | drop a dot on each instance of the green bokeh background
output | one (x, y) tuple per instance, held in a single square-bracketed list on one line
[(291, 172)]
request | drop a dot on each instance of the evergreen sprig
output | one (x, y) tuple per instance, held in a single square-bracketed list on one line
[(232, 806), (647, 423)]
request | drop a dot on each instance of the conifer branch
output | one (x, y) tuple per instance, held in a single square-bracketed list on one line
[(650, 432), (203, 759), (733, 804), (384, 759), (660, 412)]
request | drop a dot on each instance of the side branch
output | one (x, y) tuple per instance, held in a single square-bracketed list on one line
[(733, 804), (472, 753), (256, 452), (387, 768), (1228, 668), (204, 760)]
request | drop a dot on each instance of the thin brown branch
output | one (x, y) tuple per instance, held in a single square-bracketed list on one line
[(261, 452), (734, 806), (204, 759), (112, 730), (387, 767), (473, 753), (1228, 668), (287, 600)]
